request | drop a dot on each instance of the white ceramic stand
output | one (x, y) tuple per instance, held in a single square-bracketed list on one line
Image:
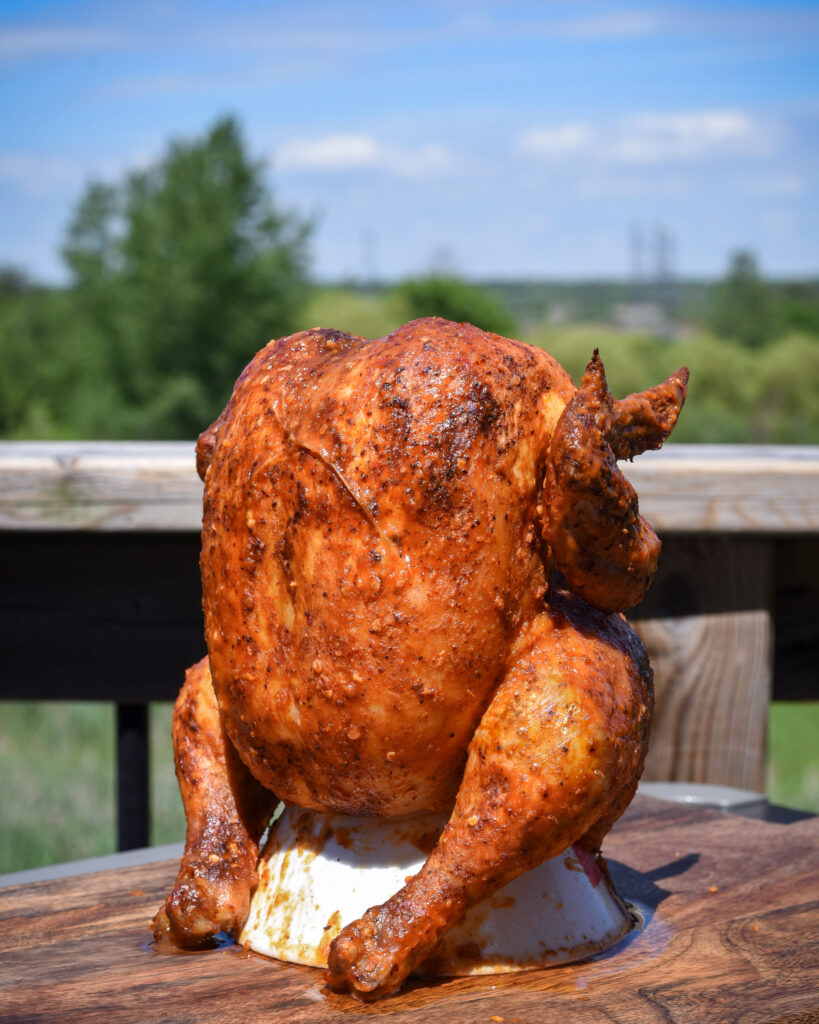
[(320, 872)]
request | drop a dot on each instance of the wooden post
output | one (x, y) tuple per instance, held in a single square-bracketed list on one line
[(706, 622)]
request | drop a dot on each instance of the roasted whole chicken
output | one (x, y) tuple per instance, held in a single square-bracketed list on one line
[(415, 553)]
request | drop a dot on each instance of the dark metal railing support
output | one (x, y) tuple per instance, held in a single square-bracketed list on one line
[(133, 780)]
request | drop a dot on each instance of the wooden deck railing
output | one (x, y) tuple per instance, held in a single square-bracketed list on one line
[(100, 593)]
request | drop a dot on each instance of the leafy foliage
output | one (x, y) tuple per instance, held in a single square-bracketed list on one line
[(365, 314), (742, 308), (180, 273), (456, 300), (736, 394), (796, 307), (53, 381)]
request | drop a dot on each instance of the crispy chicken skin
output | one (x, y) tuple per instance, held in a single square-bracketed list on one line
[(226, 811), (413, 553), (564, 736)]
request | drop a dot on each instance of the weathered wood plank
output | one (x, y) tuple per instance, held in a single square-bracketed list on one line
[(729, 488), (78, 950), (708, 631), (153, 486), (105, 486)]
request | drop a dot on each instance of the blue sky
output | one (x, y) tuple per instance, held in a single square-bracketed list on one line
[(494, 139)]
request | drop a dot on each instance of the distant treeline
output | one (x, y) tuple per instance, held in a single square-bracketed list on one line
[(529, 302), (596, 300), (793, 304), (181, 271)]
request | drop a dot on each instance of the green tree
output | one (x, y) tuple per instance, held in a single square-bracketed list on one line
[(53, 382), (742, 307), (796, 307), (184, 270), (786, 406), (454, 299), (13, 281)]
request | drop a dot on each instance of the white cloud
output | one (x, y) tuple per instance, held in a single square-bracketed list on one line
[(27, 41), (355, 151), (329, 152), (557, 141), (651, 139), (659, 20), (666, 138), (41, 175), (617, 25)]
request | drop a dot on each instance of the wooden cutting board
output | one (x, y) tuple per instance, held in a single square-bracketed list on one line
[(731, 934)]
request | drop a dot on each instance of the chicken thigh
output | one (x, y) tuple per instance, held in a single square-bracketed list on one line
[(415, 551)]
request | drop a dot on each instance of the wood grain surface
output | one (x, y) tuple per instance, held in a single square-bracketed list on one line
[(70, 485), (731, 935), (708, 631), (100, 486), (713, 488)]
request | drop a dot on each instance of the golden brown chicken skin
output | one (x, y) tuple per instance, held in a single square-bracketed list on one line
[(557, 753), (226, 812), (371, 546), (394, 536)]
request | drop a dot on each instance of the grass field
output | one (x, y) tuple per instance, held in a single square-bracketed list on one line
[(57, 765)]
